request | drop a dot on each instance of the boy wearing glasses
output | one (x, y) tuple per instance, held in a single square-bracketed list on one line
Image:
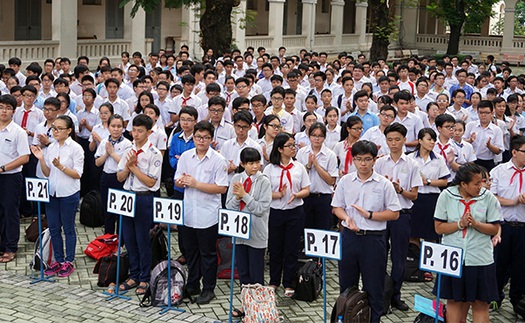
[(364, 201), (203, 173), (446, 125), (223, 130), (369, 119), (387, 114), (277, 98)]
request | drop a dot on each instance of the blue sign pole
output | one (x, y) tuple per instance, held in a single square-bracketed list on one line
[(232, 279), (42, 277), (437, 297), (324, 287), (117, 293)]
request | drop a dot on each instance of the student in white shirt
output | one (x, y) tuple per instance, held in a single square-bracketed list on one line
[(269, 130), (465, 151), (158, 135), (350, 134), (101, 130), (333, 129), (301, 138), (290, 185), (62, 163), (277, 108), (120, 106)]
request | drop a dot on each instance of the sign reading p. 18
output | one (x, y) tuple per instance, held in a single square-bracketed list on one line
[(168, 211), (321, 243), (121, 202), (37, 189), (440, 258), (234, 223)]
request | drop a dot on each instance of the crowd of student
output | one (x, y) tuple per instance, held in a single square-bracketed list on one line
[(431, 150)]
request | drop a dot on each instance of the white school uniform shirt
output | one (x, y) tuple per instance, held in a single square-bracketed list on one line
[(80, 102), (340, 150), (266, 85), (327, 160), (459, 114), (506, 184), (51, 94), (302, 138), (74, 118), (413, 125), (13, 144), (42, 128), (149, 161), (472, 114), (121, 147), (297, 120), (285, 117), (34, 117), (158, 137), (300, 180), (300, 98), (201, 209), (164, 107), (406, 170), (465, 152), (100, 131), (231, 150), (449, 148), (332, 136), (376, 194), (433, 168), (192, 101), (482, 135), (120, 107), (223, 132), (72, 156), (268, 146), (92, 118)]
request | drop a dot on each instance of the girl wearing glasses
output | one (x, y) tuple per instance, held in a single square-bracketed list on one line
[(271, 128), (350, 134), (62, 163)]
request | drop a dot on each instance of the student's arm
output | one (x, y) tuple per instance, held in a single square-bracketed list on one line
[(21, 160), (39, 154), (385, 215), (411, 195), (190, 181), (323, 173)]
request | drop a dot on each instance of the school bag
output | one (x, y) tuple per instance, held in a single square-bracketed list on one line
[(32, 229), (353, 306), (258, 304), (91, 210), (102, 246), (106, 268), (412, 271), (47, 252), (519, 309), (159, 246), (308, 281), (224, 256), (157, 294)]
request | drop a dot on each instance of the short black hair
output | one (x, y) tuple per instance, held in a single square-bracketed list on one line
[(204, 126), (243, 115), (143, 120), (396, 127), (444, 118), (9, 100), (363, 147)]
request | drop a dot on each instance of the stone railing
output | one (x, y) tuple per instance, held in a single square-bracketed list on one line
[(28, 51)]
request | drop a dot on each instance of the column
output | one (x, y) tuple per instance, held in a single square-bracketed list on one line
[(410, 20), (336, 25), (309, 7), (239, 28), (360, 24), (275, 23), (190, 31), (64, 27), (135, 30), (508, 25)]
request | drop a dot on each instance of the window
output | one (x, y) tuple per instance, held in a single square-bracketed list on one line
[(251, 4)]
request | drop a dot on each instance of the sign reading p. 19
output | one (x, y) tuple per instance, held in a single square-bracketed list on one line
[(440, 258), (321, 243), (168, 211)]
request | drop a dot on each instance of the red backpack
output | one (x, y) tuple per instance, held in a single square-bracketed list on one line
[(102, 246)]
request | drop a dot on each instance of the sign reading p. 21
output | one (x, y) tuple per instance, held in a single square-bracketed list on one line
[(441, 259), (321, 243), (234, 223), (168, 211), (121, 202), (37, 189)]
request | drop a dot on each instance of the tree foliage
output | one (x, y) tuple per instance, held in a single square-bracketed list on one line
[(519, 21), (382, 26)]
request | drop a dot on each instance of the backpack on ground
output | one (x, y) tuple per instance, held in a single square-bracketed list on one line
[(308, 281), (106, 268), (157, 294), (353, 306), (159, 246), (387, 294), (258, 304), (47, 252), (102, 246), (412, 271), (519, 309), (92, 210), (224, 256), (32, 229)]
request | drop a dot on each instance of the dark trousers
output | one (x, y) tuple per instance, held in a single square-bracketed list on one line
[(201, 254), (318, 211), (89, 180), (250, 264), (365, 256), (108, 181), (11, 188), (399, 233), (285, 230), (61, 213), (28, 208), (511, 259), (180, 233), (136, 234), (488, 164)]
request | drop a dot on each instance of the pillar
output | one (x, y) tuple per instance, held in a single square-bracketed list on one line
[(410, 18), (508, 25), (308, 27), (360, 24), (135, 30), (190, 31), (275, 23), (336, 24), (239, 30), (64, 27)]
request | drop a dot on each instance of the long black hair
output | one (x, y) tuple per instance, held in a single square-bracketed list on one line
[(278, 143), (69, 125), (466, 172)]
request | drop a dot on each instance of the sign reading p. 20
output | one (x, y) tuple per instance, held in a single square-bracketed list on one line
[(321, 243), (168, 211), (121, 202), (37, 189), (234, 223), (441, 259)]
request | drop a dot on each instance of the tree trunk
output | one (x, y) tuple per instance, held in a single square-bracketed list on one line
[(216, 27), (454, 38), (380, 28)]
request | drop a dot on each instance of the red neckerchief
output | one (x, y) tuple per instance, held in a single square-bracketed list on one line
[(247, 187), (467, 210)]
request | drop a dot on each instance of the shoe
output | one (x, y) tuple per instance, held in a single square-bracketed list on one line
[(66, 270), (400, 305), (53, 269), (205, 297), (182, 260), (192, 291)]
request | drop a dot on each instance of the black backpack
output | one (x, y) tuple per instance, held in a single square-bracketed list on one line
[(412, 271), (106, 268), (91, 210), (353, 306), (308, 281), (159, 246)]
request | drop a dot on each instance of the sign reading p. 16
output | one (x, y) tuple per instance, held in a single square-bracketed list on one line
[(234, 223), (37, 189), (168, 211), (321, 243), (121, 202), (440, 258)]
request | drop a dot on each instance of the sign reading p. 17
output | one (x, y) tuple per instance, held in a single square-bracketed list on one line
[(37, 189), (121, 202), (321, 243), (168, 211), (234, 223), (440, 258)]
